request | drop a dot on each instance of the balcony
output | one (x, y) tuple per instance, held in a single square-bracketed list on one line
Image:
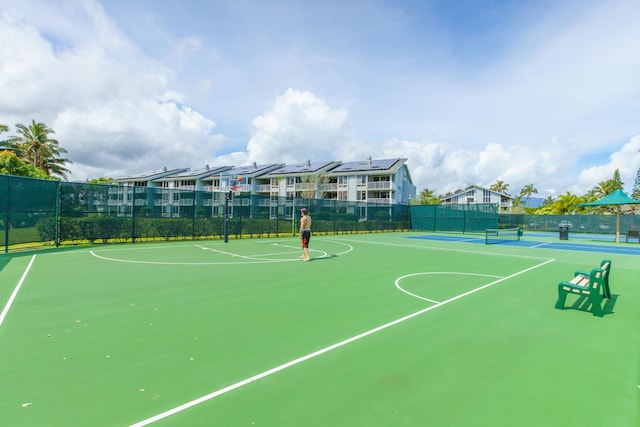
[(382, 201), (379, 185), (329, 187)]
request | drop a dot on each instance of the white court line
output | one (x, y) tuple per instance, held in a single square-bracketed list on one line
[(435, 273), (15, 291), (294, 362), (244, 259), (541, 244), (250, 257), (441, 249), (325, 254), (247, 261)]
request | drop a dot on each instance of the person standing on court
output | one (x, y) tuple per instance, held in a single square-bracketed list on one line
[(305, 233)]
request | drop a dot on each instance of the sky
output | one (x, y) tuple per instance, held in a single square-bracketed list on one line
[(470, 92)]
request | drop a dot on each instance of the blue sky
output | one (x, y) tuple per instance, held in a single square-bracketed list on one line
[(528, 92)]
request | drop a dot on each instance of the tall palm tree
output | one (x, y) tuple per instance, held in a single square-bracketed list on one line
[(527, 191), (499, 187), (34, 145)]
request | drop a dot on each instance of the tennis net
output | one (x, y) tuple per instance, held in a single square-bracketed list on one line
[(502, 235)]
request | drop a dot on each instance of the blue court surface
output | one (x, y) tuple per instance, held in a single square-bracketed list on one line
[(534, 240)]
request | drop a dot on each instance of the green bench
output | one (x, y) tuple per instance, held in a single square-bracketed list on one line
[(593, 285)]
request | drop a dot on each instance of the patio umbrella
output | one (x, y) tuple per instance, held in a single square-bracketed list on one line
[(617, 199)]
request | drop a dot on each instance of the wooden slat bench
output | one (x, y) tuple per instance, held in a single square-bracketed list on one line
[(593, 285)]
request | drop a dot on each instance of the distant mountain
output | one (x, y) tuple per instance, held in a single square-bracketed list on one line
[(534, 202)]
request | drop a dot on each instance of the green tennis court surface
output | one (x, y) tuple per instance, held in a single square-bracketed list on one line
[(376, 330)]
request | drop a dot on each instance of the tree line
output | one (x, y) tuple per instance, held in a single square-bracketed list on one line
[(567, 203)]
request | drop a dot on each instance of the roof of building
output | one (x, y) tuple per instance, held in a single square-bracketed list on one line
[(196, 174), (303, 168), (152, 175), (369, 165), (252, 170)]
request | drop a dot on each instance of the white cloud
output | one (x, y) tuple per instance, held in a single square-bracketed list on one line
[(112, 109), (626, 160), (297, 127)]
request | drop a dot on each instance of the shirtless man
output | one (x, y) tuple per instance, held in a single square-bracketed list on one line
[(305, 233)]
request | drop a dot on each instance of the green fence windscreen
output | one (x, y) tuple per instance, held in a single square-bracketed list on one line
[(472, 218), (52, 212)]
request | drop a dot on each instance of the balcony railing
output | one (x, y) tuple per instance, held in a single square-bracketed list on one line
[(329, 187), (379, 185), (384, 201)]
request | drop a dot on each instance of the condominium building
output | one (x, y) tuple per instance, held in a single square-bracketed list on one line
[(385, 181)]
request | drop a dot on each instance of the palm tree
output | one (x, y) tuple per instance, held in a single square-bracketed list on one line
[(527, 191), (567, 203), (517, 201), (34, 145), (606, 187), (499, 187), (428, 197), (3, 144)]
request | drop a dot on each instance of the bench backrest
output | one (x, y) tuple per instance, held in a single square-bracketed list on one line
[(606, 266), (632, 233), (597, 278)]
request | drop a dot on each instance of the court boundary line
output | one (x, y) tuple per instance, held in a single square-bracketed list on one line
[(14, 294), (322, 351)]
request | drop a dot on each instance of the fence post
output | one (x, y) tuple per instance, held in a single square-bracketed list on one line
[(6, 218), (133, 215), (58, 214), (193, 222)]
